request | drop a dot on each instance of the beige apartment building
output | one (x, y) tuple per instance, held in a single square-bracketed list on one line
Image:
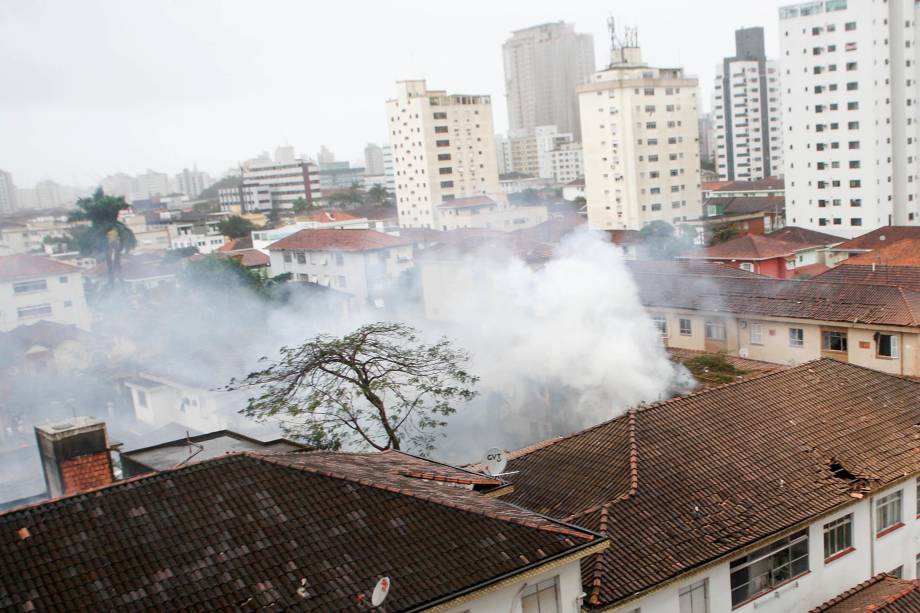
[(640, 137), (443, 147)]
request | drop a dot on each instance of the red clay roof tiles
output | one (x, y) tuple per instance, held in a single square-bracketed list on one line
[(907, 277), (721, 469), (338, 240), (24, 266), (880, 593)]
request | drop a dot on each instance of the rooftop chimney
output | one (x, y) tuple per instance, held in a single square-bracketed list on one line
[(75, 455)]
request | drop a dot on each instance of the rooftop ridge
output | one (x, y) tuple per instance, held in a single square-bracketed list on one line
[(896, 597), (907, 304), (432, 498), (844, 595)]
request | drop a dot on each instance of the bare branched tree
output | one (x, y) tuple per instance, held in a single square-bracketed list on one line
[(379, 387)]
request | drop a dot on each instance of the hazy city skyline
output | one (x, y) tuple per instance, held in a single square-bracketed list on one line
[(212, 84)]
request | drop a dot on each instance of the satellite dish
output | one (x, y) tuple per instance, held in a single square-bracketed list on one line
[(380, 591), (495, 461)]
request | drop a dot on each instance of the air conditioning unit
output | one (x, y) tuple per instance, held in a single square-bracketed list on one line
[(743, 352)]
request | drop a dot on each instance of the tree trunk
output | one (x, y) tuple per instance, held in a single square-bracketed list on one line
[(109, 266), (375, 400)]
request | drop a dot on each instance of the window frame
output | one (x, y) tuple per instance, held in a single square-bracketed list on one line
[(827, 338), (534, 590), (836, 543), (688, 330), (882, 506), (714, 324), (800, 341), (894, 347), (767, 553), (688, 590), (752, 326)]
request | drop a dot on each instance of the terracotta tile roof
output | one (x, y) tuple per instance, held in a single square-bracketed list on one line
[(552, 230), (809, 271), (696, 268), (467, 203), (904, 252), (744, 205), (879, 237), (579, 182), (285, 532), (685, 482), (880, 593), (769, 183), (237, 244), (338, 240), (868, 304), (24, 266), (805, 236), (709, 186), (744, 364), (249, 257), (748, 247), (907, 277)]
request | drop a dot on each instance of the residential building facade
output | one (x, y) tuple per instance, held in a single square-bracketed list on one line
[(747, 112), (270, 183), (443, 148), (850, 97), (543, 66), (192, 182), (34, 288), (7, 193), (373, 160), (640, 137)]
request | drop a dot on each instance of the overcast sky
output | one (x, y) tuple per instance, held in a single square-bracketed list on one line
[(95, 87)]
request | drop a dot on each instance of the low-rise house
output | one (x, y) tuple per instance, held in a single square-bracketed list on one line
[(760, 188), (320, 531), (149, 236), (871, 241), (573, 190), (746, 215), (27, 234), (776, 255), (363, 263), (771, 495), (486, 212), (35, 288), (188, 228), (784, 322), (44, 347), (317, 220)]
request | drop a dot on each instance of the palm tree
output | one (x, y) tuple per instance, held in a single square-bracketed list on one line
[(108, 235), (378, 194)]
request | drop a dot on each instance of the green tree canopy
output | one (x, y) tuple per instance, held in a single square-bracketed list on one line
[(237, 227), (380, 386), (107, 235)]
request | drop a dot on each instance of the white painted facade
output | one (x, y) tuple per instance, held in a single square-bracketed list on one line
[(282, 181), (160, 400), (497, 216), (850, 93), (55, 297), (640, 137), (567, 162), (7, 193), (366, 275), (443, 147), (261, 239), (824, 578)]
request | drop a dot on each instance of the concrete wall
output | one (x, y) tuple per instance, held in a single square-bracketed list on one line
[(508, 599)]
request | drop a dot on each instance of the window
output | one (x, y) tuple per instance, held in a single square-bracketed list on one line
[(301, 258), (695, 598), (287, 257), (24, 287), (756, 332), (838, 535), (440, 129), (715, 330), (63, 279), (440, 115), (834, 340), (442, 143), (764, 569), (443, 157), (339, 259), (141, 398), (38, 310), (540, 598), (886, 345), (686, 327), (888, 511), (748, 266), (796, 337), (662, 324)]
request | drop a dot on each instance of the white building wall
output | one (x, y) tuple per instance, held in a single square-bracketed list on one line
[(443, 147), (508, 599), (849, 75), (61, 301), (825, 579), (641, 146)]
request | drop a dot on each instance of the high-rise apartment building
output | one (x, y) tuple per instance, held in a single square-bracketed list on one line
[(373, 160), (151, 184), (443, 148), (707, 138), (747, 112), (543, 66), (192, 182), (268, 183), (850, 92), (7, 193), (640, 138)]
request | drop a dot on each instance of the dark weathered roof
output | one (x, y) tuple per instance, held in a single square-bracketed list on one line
[(907, 277), (765, 184), (254, 531), (805, 236), (809, 299), (749, 247), (689, 267), (880, 593), (468, 202), (744, 205), (685, 482), (904, 252)]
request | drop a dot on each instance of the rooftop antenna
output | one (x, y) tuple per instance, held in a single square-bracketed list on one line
[(198, 449)]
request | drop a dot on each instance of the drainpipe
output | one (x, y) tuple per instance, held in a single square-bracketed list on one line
[(871, 536)]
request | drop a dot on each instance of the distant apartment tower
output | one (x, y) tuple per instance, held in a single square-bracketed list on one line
[(707, 138), (443, 148), (268, 183), (151, 184), (373, 160), (850, 94), (389, 173), (544, 65), (119, 184), (7, 193), (192, 182), (503, 154), (641, 144), (747, 112)]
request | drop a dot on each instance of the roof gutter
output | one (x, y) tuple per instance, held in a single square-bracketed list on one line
[(596, 545)]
